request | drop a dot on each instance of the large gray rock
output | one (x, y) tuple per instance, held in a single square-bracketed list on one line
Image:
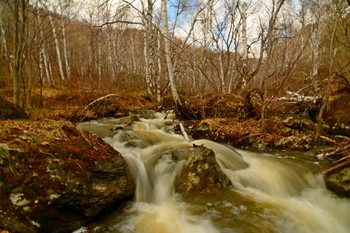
[(55, 177)]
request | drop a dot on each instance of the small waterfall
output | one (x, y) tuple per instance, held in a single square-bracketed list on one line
[(269, 194)]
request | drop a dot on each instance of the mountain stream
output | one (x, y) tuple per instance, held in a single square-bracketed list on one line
[(270, 193)]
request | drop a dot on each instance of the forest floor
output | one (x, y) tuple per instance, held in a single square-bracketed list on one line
[(231, 119)]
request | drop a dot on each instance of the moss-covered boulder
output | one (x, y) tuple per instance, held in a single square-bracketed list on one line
[(55, 177), (201, 173), (9, 110)]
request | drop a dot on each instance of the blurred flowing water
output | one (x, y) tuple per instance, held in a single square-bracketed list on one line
[(270, 193)]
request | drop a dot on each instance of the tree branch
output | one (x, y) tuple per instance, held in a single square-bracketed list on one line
[(119, 21)]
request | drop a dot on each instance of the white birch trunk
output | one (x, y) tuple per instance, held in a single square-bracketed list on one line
[(244, 45), (64, 40), (99, 62), (65, 51), (43, 60), (168, 54), (111, 55), (57, 45), (133, 56), (159, 69), (222, 73), (151, 45), (90, 51), (315, 54), (146, 57), (48, 69), (148, 39)]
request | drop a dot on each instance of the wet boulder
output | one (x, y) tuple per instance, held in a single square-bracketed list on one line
[(201, 173), (54, 177)]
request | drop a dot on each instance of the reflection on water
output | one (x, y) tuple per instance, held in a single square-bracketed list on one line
[(269, 194)]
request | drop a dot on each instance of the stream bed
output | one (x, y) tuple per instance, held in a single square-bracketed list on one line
[(269, 193)]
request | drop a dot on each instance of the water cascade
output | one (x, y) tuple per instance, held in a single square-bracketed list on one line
[(269, 193)]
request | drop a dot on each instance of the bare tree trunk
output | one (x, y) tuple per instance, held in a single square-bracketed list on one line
[(325, 100), (146, 58), (65, 52), (64, 40), (168, 55), (222, 73), (244, 45), (110, 54), (149, 50), (43, 59), (268, 45), (20, 17), (133, 56), (315, 47), (57, 46), (4, 51), (48, 68), (158, 94), (99, 61)]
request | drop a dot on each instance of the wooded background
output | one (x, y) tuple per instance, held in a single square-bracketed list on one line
[(182, 47)]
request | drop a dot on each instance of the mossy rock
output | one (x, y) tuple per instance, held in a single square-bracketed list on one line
[(201, 173), (9, 110), (55, 177), (339, 181)]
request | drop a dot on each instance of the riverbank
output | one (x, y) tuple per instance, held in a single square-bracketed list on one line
[(34, 150)]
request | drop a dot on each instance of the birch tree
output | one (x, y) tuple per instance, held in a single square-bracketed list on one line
[(168, 55), (316, 20), (149, 45), (44, 62), (245, 69), (57, 46), (63, 10)]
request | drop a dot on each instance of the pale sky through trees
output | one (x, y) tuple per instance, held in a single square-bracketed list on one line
[(257, 15)]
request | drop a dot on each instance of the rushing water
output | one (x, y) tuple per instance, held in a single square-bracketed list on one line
[(270, 193)]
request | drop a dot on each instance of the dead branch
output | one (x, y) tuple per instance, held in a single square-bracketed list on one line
[(99, 99), (327, 139), (336, 167)]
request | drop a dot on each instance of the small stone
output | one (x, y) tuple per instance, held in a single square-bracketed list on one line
[(18, 199)]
